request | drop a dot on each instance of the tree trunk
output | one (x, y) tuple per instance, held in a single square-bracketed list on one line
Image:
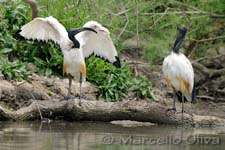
[(106, 111)]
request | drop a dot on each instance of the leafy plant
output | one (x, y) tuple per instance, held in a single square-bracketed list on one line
[(13, 70), (142, 88), (114, 83)]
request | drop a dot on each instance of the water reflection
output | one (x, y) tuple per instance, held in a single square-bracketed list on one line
[(105, 136)]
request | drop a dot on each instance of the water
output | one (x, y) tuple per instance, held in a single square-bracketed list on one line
[(105, 136)]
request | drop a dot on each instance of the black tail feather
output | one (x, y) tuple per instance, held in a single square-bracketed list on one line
[(179, 97), (193, 95)]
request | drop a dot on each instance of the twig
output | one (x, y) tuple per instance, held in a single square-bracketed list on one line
[(163, 14), (209, 39), (189, 6), (201, 67), (203, 58), (137, 23), (120, 13), (185, 13), (77, 9), (127, 20), (221, 91), (137, 33), (213, 15), (39, 110), (136, 62), (208, 72), (119, 29), (36, 105), (205, 97)]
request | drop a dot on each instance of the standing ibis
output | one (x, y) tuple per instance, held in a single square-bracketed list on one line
[(178, 72)]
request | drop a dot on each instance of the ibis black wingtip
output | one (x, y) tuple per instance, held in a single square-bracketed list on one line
[(179, 96), (117, 63), (18, 36), (193, 95)]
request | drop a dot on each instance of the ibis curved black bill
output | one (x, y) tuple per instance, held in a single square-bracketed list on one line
[(117, 62), (73, 32), (180, 38)]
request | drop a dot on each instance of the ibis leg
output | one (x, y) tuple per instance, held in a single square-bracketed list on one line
[(182, 109), (80, 88), (69, 88), (174, 102)]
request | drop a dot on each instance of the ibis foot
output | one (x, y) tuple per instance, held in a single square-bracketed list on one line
[(46, 120), (184, 112), (171, 109), (83, 97), (69, 97)]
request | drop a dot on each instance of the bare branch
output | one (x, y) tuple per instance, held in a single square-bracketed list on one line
[(206, 97), (120, 13), (127, 20), (209, 39), (127, 31), (137, 34), (163, 14), (212, 15)]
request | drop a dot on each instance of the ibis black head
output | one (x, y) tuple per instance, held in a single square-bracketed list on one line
[(73, 32), (180, 38), (182, 29)]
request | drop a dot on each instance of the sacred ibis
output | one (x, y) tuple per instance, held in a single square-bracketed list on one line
[(74, 45), (178, 72)]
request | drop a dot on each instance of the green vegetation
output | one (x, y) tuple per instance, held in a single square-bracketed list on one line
[(14, 70), (155, 22), (114, 83)]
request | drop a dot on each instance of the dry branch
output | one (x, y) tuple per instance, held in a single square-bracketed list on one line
[(209, 72), (127, 20), (106, 111), (212, 15)]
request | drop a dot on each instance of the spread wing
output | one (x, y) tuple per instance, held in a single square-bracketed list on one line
[(45, 29), (99, 44)]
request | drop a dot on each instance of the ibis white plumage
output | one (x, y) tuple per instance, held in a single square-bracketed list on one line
[(99, 44), (179, 73), (76, 44)]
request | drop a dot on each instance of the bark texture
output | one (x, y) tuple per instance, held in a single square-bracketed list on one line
[(105, 111)]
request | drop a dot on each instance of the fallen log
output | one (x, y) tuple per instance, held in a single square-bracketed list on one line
[(142, 110)]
